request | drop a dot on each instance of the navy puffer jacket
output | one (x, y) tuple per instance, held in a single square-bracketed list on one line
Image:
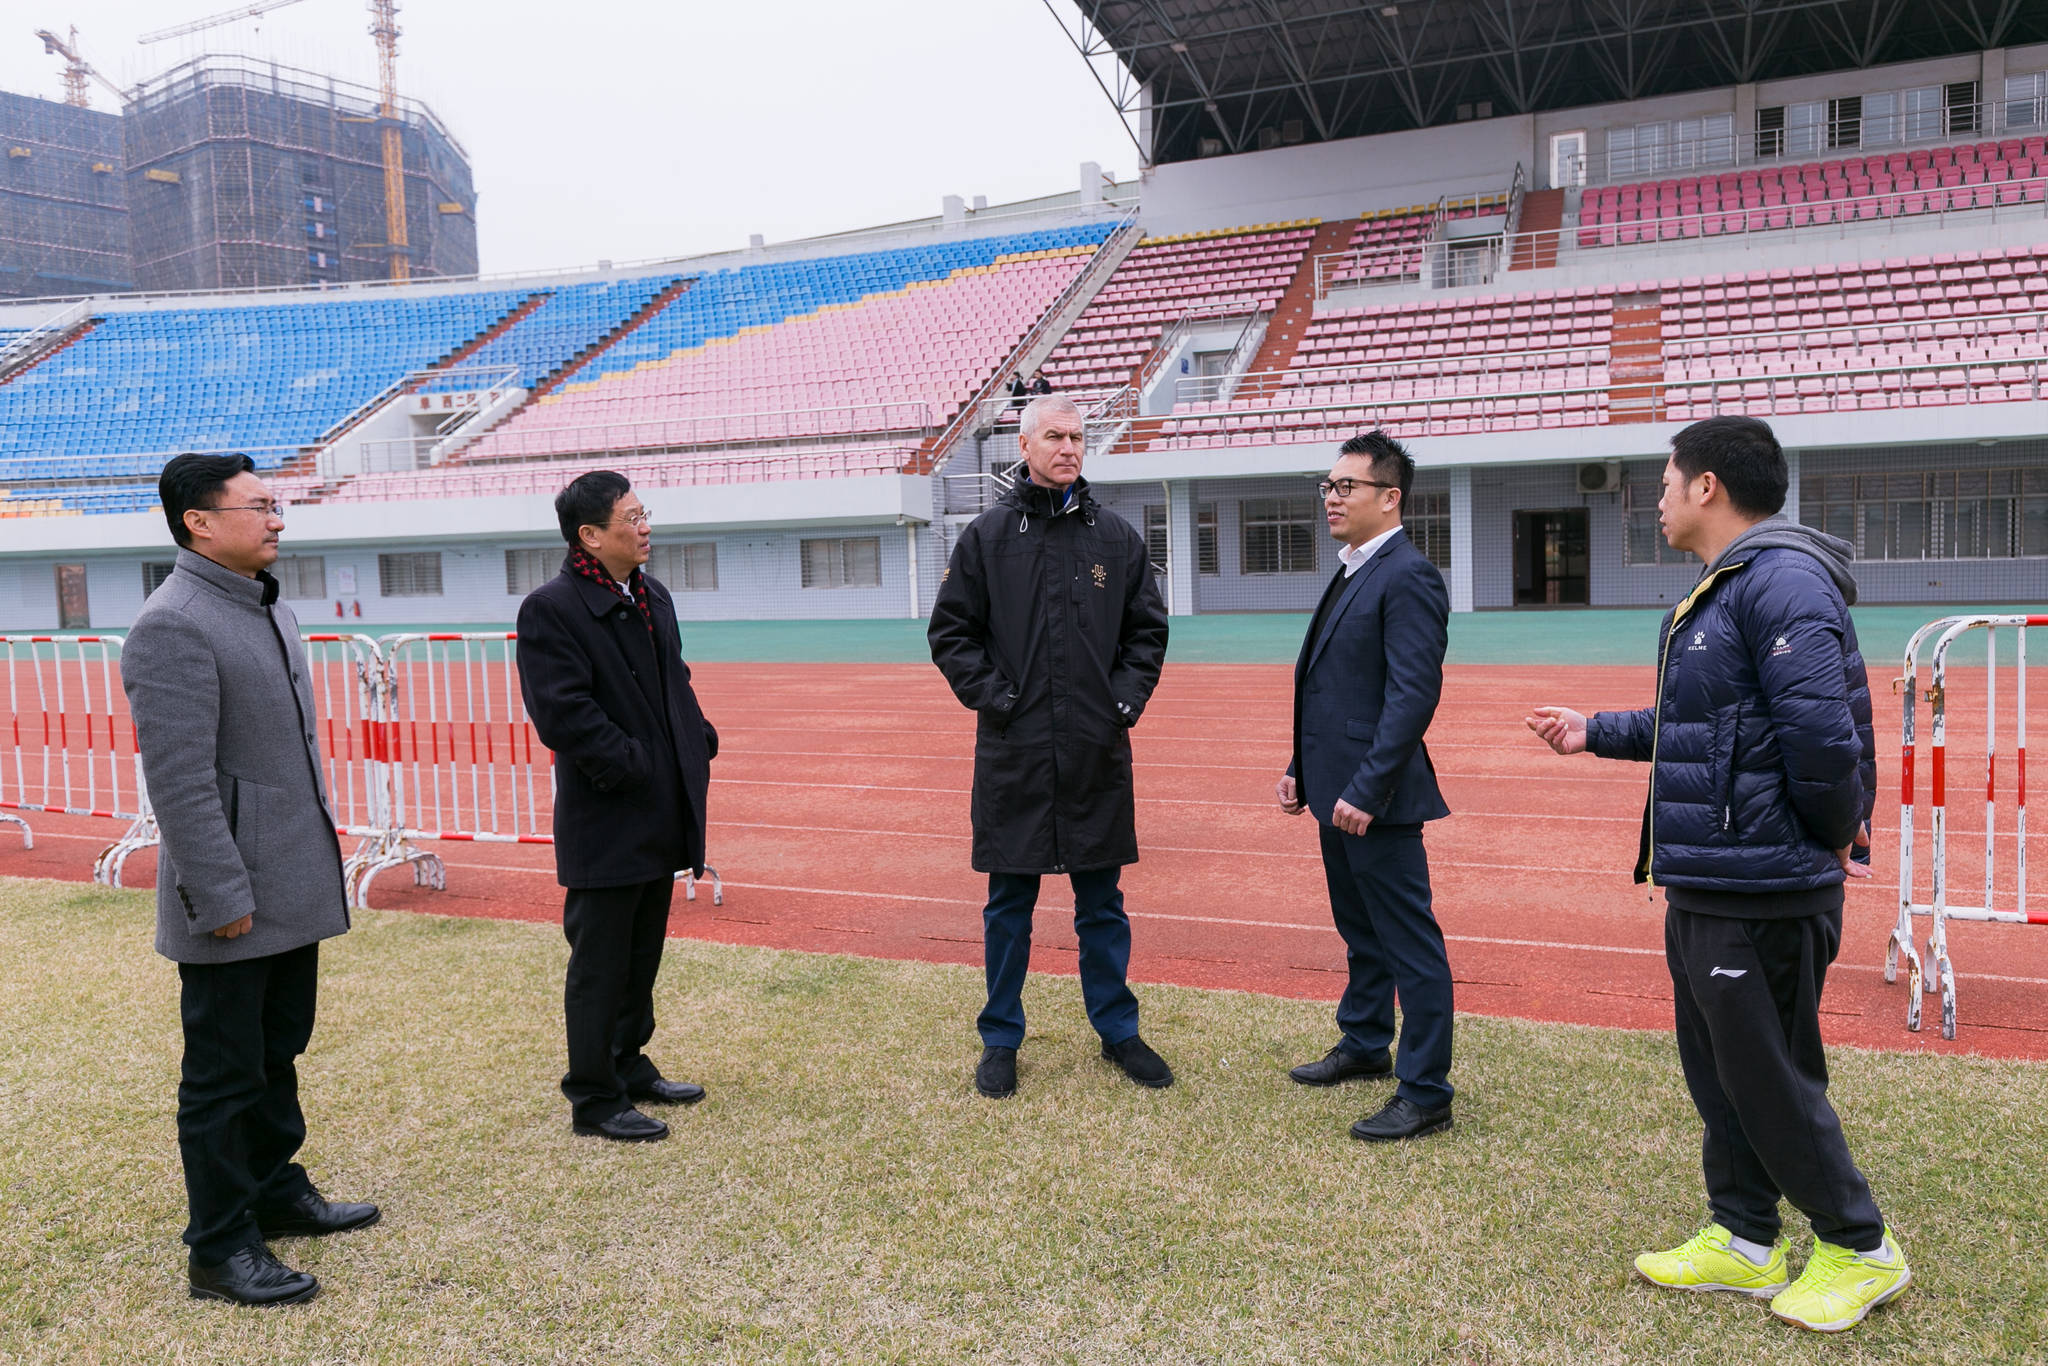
[(1762, 758)]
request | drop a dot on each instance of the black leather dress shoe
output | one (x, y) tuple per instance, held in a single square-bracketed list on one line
[(1139, 1062), (309, 1216), (1401, 1118), (252, 1276), (627, 1126), (1338, 1065), (995, 1076), (662, 1091)]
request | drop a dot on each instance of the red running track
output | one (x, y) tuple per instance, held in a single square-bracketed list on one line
[(840, 820)]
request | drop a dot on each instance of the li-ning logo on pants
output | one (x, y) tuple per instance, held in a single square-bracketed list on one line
[(1727, 972)]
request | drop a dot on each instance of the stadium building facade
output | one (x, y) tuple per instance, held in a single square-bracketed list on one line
[(1534, 302)]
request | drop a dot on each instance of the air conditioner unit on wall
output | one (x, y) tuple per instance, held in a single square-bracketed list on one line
[(1600, 476)]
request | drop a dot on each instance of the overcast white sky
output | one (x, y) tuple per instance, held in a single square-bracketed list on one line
[(625, 129)]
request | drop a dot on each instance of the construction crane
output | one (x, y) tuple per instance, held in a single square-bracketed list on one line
[(77, 70), (255, 11), (385, 30)]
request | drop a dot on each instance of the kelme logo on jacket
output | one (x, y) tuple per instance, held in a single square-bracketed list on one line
[(1100, 575)]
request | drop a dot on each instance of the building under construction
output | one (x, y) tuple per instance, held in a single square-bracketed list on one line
[(226, 173), (63, 200)]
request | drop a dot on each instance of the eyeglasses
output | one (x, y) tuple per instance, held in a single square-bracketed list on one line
[(1344, 488), (638, 517), (268, 509)]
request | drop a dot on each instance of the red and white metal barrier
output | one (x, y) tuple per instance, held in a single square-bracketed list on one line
[(67, 746), (346, 675), (464, 762), (424, 735), (1939, 972)]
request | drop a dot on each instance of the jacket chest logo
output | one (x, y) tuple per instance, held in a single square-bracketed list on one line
[(1699, 641), (1781, 647), (1100, 575)]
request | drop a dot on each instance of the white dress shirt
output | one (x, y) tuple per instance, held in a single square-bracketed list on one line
[(1355, 556)]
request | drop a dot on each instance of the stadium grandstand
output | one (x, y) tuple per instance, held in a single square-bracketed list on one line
[(1532, 261)]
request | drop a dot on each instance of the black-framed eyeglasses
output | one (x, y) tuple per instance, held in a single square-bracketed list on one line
[(269, 509), (1344, 488)]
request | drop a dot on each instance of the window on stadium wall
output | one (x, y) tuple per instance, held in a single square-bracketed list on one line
[(848, 562), (528, 569), (1643, 540), (300, 576), (154, 572), (1429, 524), (1998, 513), (689, 567), (411, 574), (1205, 536), (1277, 535)]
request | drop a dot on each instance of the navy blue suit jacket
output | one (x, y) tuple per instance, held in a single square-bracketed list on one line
[(1366, 687)]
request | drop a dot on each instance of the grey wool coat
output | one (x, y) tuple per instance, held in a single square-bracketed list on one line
[(216, 681)]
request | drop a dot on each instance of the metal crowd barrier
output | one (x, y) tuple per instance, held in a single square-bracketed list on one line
[(1938, 972), (424, 736), (69, 747)]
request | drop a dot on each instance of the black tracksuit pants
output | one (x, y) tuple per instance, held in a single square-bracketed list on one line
[(615, 937), (239, 1122), (1748, 1013)]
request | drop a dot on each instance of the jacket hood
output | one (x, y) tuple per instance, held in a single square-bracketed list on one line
[(1833, 552)]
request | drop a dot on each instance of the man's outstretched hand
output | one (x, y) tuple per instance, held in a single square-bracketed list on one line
[(1563, 729)]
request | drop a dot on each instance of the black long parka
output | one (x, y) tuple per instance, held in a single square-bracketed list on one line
[(1049, 627), (632, 749)]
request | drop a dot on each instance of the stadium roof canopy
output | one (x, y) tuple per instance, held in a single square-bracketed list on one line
[(1247, 73)]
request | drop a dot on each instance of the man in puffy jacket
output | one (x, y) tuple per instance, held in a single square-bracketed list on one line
[(1049, 628), (1762, 781)]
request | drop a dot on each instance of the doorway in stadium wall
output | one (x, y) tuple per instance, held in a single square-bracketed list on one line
[(74, 612), (1551, 559)]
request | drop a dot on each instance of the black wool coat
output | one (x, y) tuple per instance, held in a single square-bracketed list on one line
[(1049, 627), (632, 748)]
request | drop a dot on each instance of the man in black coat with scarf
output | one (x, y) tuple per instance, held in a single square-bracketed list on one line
[(1049, 627), (601, 668)]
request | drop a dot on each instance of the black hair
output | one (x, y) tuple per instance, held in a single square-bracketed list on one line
[(1389, 458), (588, 501), (192, 481), (1743, 454)]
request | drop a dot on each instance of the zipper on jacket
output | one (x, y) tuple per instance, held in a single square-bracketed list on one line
[(1678, 615)]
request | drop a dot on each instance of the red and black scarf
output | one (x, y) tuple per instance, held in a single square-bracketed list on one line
[(587, 565)]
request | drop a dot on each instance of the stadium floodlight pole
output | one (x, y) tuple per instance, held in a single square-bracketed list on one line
[(1130, 97)]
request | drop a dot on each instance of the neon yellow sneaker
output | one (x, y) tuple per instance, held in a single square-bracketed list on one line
[(1705, 1261), (1839, 1287)]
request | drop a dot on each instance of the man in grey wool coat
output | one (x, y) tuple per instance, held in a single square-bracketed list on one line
[(249, 877)]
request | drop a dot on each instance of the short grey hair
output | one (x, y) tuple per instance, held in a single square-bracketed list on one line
[(1027, 426)]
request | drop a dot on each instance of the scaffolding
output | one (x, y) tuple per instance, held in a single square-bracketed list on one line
[(63, 204), (246, 174)]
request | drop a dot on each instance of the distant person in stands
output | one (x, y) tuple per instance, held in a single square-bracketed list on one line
[(1049, 627), (601, 668), (249, 874), (1762, 781), (1366, 687), (1019, 393), (1040, 385)]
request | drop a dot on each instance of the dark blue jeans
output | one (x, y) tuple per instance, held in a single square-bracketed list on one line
[(1105, 934)]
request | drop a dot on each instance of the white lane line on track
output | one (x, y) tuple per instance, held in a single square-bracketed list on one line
[(1621, 949)]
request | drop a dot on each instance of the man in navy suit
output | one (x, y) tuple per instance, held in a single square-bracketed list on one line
[(1365, 689)]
